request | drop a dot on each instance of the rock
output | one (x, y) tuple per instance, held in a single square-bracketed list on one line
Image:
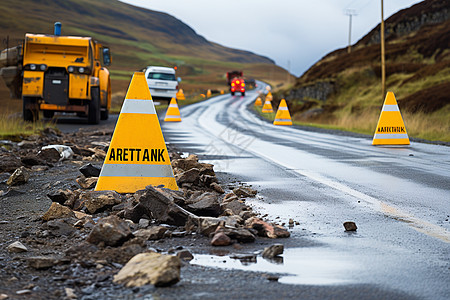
[(57, 211), (20, 176), (244, 192), (206, 205), (49, 155), (97, 201), (240, 234), (143, 223), (59, 227), (291, 222), (17, 247), (215, 186), (207, 180), (70, 293), (272, 251), (350, 226), (111, 230), (162, 209), (83, 151), (245, 258), (3, 296), (207, 169), (135, 213), (150, 268), (235, 206), (229, 197), (87, 183), (89, 170), (60, 196), (185, 255), (176, 196), (265, 229), (65, 152), (153, 233), (32, 160), (27, 144), (189, 176), (9, 163), (206, 225), (220, 239), (41, 262)]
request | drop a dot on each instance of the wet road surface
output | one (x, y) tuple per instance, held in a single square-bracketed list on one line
[(399, 198)]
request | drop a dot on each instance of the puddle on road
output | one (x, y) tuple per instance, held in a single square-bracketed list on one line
[(308, 266)]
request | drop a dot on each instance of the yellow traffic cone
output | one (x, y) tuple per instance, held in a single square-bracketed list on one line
[(137, 155), (390, 128), (208, 93), (180, 95), (173, 113), (283, 117), (267, 108), (258, 102), (269, 96)]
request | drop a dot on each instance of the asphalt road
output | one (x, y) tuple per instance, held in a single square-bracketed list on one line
[(399, 198)]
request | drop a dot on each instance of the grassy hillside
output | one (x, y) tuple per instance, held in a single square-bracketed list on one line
[(137, 37), (344, 89)]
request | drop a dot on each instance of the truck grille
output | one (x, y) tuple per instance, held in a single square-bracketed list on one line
[(56, 86)]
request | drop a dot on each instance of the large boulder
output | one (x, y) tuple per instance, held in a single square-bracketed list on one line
[(150, 268), (206, 204), (9, 163), (162, 208), (110, 231)]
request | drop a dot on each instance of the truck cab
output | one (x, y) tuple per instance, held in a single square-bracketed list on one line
[(162, 82)]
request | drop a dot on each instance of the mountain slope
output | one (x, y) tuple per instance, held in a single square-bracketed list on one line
[(344, 89), (137, 37)]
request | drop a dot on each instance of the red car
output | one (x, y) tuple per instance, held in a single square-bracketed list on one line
[(237, 85)]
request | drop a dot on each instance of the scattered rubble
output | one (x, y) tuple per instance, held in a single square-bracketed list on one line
[(85, 232)]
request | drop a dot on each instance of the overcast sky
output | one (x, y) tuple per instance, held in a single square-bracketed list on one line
[(294, 33)]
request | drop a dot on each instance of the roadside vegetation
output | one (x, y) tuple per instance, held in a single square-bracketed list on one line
[(12, 127)]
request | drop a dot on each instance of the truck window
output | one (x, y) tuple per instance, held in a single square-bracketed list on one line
[(161, 76)]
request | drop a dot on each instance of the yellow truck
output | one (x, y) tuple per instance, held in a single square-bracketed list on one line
[(64, 74)]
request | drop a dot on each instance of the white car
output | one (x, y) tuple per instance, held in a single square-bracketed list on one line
[(162, 82)]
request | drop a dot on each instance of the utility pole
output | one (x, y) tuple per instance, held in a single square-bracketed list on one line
[(350, 13), (383, 61)]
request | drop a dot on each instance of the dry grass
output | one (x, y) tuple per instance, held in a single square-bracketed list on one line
[(13, 127)]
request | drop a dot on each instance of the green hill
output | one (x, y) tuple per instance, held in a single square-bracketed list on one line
[(343, 89), (137, 37)]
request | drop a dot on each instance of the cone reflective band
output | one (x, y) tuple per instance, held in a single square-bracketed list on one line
[(258, 101), (390, 128), (283, 117), (137, 155), (267, 108), (173, 113)]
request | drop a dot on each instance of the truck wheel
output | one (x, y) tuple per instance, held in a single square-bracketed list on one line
[(30, 111), (94, 106), (243, 94), (232, 93), (48, 114), (104, 114)]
